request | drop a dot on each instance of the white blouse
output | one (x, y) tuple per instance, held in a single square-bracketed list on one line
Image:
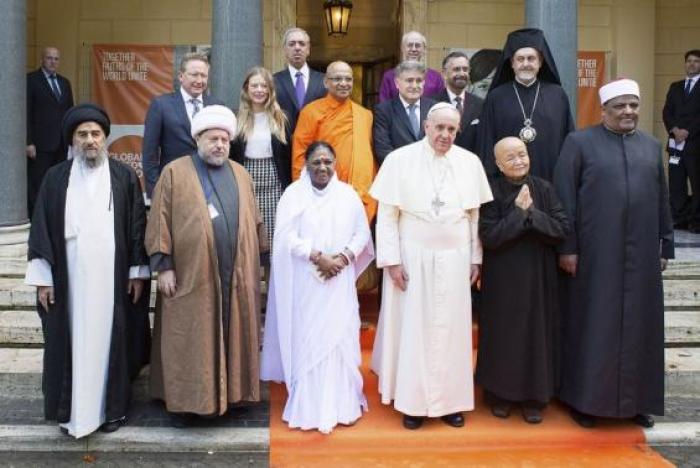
[(259, 144)]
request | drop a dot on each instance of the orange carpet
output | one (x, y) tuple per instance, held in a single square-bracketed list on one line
[(379, 439)]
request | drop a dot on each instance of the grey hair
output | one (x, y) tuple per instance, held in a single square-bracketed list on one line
[(422, 37), (409, 66), (289, 31)]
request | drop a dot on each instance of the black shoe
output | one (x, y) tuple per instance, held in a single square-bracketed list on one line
[(583, 419), (412, 422), (681, 225), (501, 410), (112, 426), (454, 419), (531, 415), (644, 420), (64, 431)]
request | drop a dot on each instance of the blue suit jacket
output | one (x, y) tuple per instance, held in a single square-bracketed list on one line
[(166, 134), (287, 97)]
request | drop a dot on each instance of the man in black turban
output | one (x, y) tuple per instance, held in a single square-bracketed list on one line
[(87, 260), (526, 100)]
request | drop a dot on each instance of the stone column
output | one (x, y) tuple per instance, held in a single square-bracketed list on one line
[(13, 121), (558, 20), (237, 45)]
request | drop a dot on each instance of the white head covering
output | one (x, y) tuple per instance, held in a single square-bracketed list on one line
[(617, 88), (440, 106), (219, 117)]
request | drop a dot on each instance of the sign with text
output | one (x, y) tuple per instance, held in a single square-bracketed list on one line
[(125, 78), (591, 76)]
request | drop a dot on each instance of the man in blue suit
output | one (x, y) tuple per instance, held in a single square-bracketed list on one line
[(167, 134), (399, 121), (297, 85)]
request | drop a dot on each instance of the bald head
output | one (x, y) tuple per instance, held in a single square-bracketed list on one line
[(338, 80), (512, 158), (50, 57)]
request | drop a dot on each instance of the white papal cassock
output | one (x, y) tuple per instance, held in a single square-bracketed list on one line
[(428, 222), (312, 327)]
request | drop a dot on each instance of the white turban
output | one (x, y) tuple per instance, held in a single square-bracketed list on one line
[(219, 117), (617, 88)]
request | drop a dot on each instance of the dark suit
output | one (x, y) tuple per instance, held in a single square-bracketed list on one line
[(44, 116), (281, 155), (392, 128), (166, 134), (466, 138), (287, 96), (684, 112)]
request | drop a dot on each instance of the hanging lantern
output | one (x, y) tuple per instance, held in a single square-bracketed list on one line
[(337, 16)]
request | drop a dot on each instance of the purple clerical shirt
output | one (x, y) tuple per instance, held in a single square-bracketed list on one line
[(433, 85)]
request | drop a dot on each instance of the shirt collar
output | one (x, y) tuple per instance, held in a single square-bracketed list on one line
[(405, 104), (452, 95), (186, 96), (48, 74), (304, 71)]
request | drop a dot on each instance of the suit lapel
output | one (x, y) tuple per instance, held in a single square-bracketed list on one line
[(424, 108), (315, 82), (45, 84), (181, 110), (400, 112), (288, 87)]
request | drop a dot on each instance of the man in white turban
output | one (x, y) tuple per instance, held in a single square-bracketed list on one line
[(610, 179), (204, 239)]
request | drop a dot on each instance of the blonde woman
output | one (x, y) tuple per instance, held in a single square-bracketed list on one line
[(263, 144)]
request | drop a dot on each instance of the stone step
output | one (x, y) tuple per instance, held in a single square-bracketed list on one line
[(682, 293), (48, 438), (13, 260), (20, 373), (682, 327)]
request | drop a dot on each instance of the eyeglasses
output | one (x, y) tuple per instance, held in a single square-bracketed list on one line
[(340, 79)]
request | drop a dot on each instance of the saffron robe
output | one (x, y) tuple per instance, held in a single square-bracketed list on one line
[(614, 191), (312, 328), (519, 313), (60, 241), (422, 350), (348, 128), (192, 369)]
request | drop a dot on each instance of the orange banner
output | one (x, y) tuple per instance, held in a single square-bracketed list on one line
[(125, 78), (591, 74)]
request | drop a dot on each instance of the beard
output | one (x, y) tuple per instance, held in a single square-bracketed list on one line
[(91, 158), (213, 159)]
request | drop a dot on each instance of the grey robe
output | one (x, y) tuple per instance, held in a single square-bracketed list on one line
[(614, 191)]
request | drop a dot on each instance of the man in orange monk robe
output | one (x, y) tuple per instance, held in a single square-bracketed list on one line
[(347, 126)]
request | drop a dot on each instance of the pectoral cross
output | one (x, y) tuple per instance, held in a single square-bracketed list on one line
[(437, 203)]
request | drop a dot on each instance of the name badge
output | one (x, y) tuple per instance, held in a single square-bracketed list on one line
[(675, 160), (213, 213)]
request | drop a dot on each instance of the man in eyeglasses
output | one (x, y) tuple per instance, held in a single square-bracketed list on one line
[(346, 126)]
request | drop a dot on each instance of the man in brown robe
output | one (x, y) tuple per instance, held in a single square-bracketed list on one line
[(204, 237)]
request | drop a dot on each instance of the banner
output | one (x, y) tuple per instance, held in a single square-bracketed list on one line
[(591, 75), (125, 78)]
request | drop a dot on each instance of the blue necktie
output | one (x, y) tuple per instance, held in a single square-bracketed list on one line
[(54, 86), (299, 88), (688, 84), (414, 120)]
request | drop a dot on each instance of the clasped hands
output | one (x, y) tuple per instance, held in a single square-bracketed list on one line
[(329, 265), (524, 199)]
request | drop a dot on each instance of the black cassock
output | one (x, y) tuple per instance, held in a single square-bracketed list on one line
[(130, 343), (502, 117), (614, 190), (518, 323)]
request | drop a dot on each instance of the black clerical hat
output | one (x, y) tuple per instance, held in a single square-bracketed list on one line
[(528, 37), (87, 112)]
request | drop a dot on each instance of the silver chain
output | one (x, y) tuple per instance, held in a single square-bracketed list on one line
[(527, 120)]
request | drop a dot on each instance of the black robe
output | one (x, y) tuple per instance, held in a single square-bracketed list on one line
[(502, 117), (519, 316), (130, 329), (614, 190)]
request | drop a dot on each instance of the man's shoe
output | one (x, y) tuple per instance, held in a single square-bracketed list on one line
[(583, 419), (531, 415), (501, 410), (111, 426), (644, 420), (64, 431), (412, 422), (454, 419)]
